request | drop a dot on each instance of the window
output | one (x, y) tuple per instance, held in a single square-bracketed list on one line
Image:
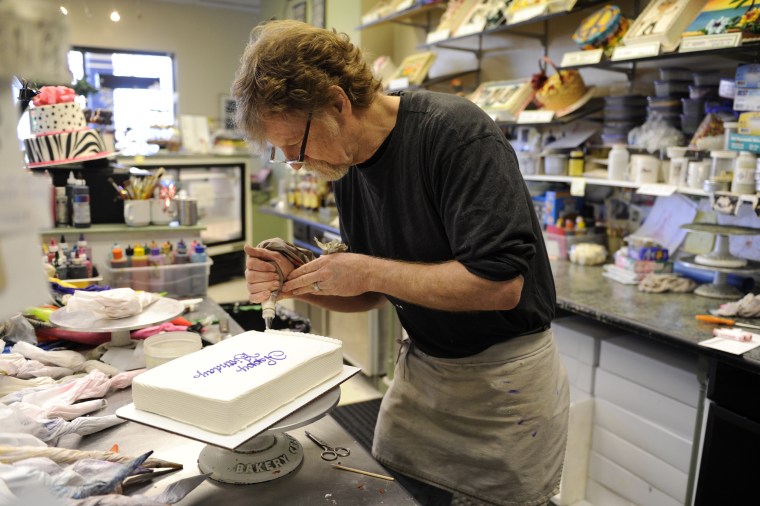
[(137, 86)]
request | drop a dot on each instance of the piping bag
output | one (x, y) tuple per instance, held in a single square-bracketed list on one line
[(297, 256)]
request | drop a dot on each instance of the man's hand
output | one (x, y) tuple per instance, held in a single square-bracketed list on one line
[(260, 273), (342, 274)]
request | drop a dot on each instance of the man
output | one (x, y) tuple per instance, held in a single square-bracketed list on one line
[(438, 221)]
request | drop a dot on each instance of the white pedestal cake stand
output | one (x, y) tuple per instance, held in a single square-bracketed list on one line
[(162, 310), (262, 451), (720, 260)]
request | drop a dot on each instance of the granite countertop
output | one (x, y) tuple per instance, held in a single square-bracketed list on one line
[(667, 317)]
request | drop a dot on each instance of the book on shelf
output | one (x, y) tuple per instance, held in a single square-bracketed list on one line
[(663, 21), (414, 68), (383, 68), (482, 15), (503, 100), (455, 13), (719, 17)]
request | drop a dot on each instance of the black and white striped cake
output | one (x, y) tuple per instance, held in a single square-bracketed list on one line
[(64, 147), (61, 135)]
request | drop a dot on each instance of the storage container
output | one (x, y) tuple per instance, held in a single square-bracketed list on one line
[(177, 280), (669, 88), (558, 245), (161, 348), (675, 74), (555, 164), (703, 91), (710, 77), (693, 106)]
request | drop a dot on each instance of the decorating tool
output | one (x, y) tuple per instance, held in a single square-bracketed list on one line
[(724, 321), (328, 452)]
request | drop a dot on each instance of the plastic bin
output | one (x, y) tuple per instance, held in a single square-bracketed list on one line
[(177, 280), (558, 246)]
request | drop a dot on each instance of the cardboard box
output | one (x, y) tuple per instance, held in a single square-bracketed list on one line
[(557, 204), (739, 142)]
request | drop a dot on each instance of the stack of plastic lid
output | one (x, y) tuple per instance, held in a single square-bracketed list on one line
[(669, 90), (622, 113), (704, 89)]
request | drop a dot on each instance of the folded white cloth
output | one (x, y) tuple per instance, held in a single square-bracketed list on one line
[(112, 304)]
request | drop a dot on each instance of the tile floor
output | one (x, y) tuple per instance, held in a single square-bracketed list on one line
[(356, 389)]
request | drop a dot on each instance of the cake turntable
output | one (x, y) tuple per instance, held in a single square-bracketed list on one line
[(162, 310), (720, 260), (261, 452)]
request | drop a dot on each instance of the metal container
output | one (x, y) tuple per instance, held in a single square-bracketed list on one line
[(188, 211)]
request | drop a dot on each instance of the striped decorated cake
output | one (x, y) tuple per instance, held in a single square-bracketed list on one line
[(59, 130)]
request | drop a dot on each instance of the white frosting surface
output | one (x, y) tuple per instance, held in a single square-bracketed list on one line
[(225, 387), (57, 118)]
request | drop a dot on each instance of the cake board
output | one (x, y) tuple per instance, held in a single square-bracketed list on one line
[(261, 452), (54, 163), (162, 310)]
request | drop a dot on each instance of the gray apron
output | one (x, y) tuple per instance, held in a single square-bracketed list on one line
[(492, 426)]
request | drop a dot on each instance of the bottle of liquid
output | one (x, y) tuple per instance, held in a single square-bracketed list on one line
[(119, 272), (61, 207), (743, 181), (140, 278), (156, 260), (77, 270), (575, 166), (181, 274), (617, 163), (199, 277), (83, 247), (80, 205)]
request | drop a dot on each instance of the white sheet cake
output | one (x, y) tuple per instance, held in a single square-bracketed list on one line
[(225, 387)]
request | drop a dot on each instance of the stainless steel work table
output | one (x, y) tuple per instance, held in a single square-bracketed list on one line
[(315, 481)]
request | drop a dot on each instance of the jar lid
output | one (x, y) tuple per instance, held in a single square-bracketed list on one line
[(746, 153), (723, 153), (576, 153)]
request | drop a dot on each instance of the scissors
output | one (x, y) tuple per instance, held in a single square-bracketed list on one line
[(328, 452)]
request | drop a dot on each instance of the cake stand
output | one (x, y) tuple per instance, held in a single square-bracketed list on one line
[(720, 260), (162, 310), (261, 452)]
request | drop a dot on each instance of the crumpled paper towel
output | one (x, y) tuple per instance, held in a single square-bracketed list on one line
[(111, 304)]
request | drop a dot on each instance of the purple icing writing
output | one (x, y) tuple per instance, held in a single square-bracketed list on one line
[(243, 362)]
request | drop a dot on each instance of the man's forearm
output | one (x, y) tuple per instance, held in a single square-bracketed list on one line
[(446, 286)]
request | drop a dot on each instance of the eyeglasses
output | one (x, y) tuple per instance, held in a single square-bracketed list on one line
[(298, 162)]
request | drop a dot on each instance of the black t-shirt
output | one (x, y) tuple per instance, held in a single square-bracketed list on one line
[(446, 186)]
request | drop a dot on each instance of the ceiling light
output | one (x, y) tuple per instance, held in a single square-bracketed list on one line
[(63, 10), (115, 16)]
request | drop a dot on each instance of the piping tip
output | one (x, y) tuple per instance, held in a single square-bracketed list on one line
[(268, 322)]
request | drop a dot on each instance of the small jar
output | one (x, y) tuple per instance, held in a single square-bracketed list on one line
[(576, 163), (743, 181), (729, 128), (722, 167)]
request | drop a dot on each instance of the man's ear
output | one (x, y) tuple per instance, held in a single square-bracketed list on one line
[(339, 101)]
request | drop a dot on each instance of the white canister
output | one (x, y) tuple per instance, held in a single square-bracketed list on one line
[(743, 181), (617, 163), (676, 175), (645, 169), (555, 164)]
